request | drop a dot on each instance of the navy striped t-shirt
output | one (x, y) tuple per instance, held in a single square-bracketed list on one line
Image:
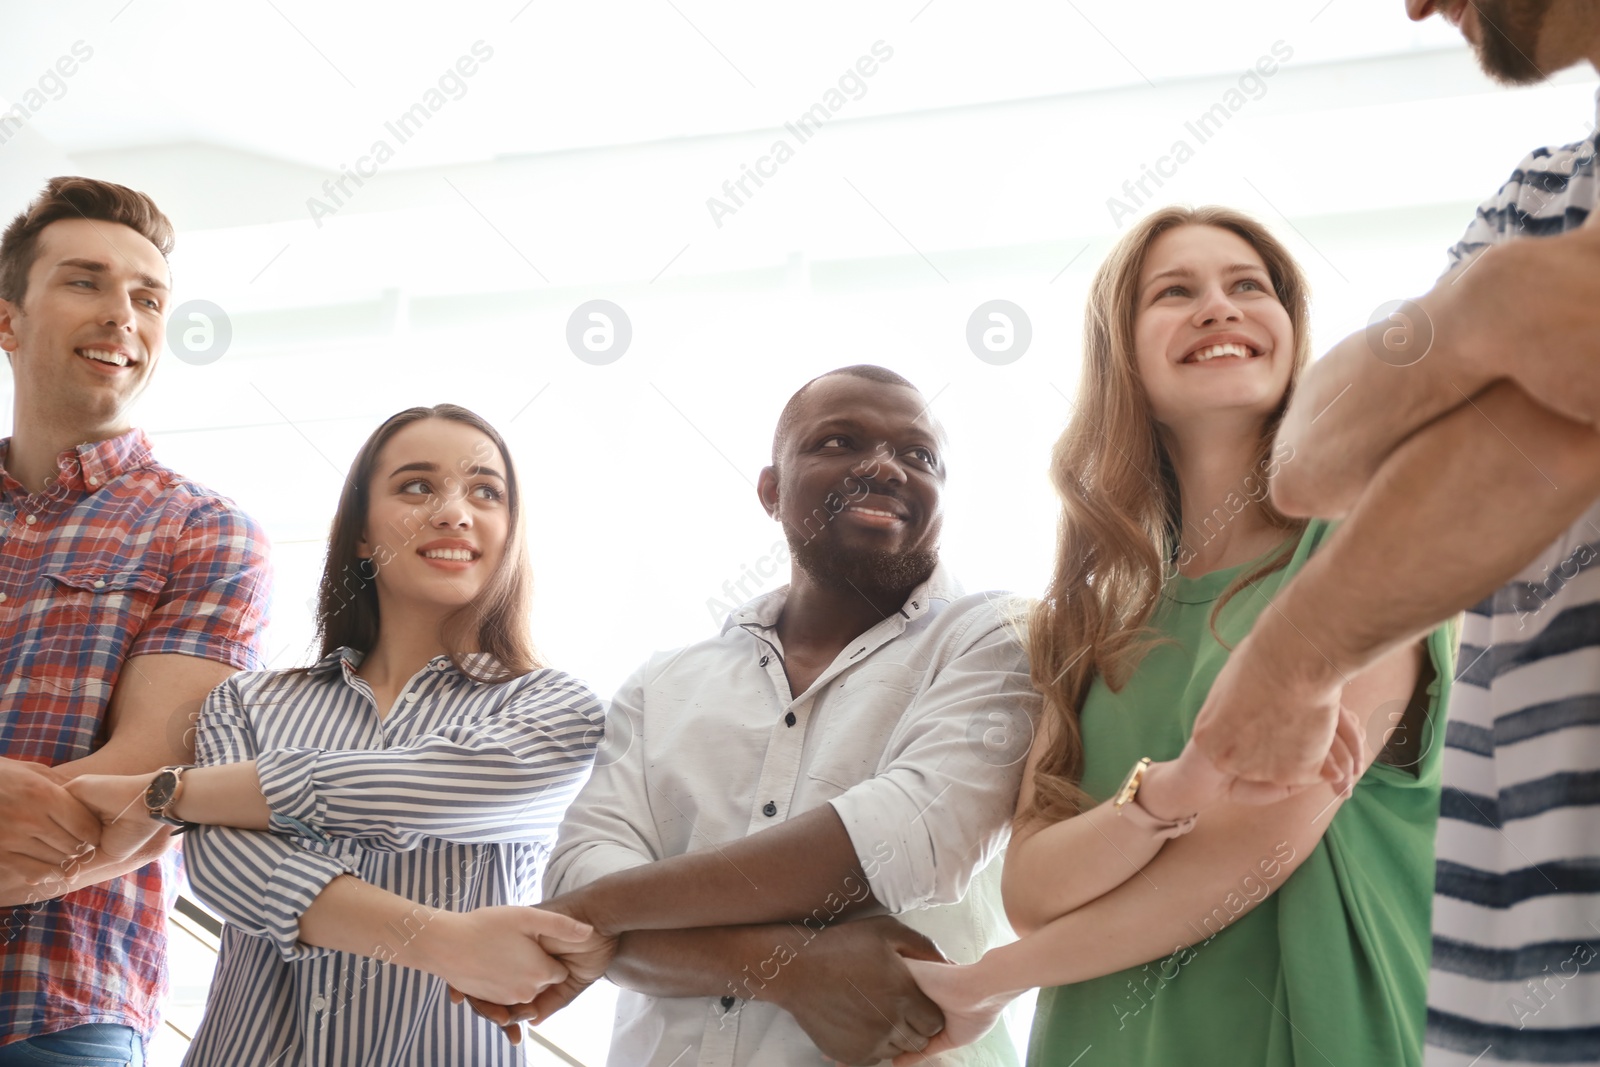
[(1516, 919)]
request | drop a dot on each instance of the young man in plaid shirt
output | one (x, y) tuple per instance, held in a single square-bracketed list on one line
[(127, 593)]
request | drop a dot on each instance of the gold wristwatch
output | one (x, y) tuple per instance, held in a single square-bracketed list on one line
[(1126, 803)]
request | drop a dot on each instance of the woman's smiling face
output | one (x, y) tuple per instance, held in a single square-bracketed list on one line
[(437, 516), (1209, 332)]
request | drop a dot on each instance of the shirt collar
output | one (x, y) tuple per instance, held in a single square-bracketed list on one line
[(89, 466), (764, 610), (483, 664)]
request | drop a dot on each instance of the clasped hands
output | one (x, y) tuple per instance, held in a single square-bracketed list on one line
[(849, 986), (579, 955), (54, 826)]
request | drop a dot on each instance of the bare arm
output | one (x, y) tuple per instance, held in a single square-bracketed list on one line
[(1053, 868), (151, 724), (1452, 515), (848, 986), (489, 952), (1194, 887), (1523, 312), (779, 874), (1075, 864), (1357, 404)]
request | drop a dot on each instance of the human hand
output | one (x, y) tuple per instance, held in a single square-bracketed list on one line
[(1272, 724), (494, 954), (970, 1008), (584, 958), (45, 831), (117, 800), (851, 991), (1191, 783)]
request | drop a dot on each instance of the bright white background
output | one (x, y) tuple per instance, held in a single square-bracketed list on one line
[(576, 163)]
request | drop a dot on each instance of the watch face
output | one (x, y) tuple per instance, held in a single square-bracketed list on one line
[(158, 794)]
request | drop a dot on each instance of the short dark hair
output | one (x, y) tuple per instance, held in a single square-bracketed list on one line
[(75, 198), (791, 410)]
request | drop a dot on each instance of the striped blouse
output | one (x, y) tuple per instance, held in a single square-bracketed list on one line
[(451, 799), (1516, 914)]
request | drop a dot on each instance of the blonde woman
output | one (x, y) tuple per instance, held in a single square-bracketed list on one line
[(1174, 916)]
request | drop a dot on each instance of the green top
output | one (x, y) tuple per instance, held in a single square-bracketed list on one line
[(1331, 970)]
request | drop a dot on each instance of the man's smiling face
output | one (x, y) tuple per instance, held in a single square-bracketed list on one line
[(86, 335), (859, 485)]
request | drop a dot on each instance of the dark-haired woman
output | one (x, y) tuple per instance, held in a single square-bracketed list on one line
[(370, 825), (1174, 916)]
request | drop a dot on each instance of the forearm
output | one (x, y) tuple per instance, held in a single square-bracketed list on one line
[(108, 760), (226, 795), (715, 961), (1356, 405), (1456, 512), (351, 915), (1194, 889), (785, 873), (1065, 865)]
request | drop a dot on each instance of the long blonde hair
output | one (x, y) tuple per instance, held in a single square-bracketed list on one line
[(1120, 515)]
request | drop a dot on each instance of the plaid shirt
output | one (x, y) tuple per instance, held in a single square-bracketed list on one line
[(118, 557)]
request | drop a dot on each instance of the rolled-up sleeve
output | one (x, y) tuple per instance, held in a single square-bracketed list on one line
[(609, 826), (940, 806), (260, 882), (503, 778)]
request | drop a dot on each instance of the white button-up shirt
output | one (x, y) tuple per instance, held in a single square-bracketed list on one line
[(916, 734)]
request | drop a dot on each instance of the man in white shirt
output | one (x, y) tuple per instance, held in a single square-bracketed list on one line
[(848, 746)]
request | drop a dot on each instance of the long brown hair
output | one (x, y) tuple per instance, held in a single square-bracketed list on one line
[(1121, 521), (496, 621)]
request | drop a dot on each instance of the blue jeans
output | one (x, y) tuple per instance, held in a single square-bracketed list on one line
[(94, 1045)]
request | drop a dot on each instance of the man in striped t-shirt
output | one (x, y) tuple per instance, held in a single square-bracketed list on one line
[(1466, 459)]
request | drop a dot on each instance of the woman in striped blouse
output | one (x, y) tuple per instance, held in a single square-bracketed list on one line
[(370, 825)]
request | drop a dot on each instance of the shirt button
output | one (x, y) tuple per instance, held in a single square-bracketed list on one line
[(99, 583), (788, 720), (729, 1002), (411, 698), (764, 660), (95, 482), (31, 519), (319, 1003), (2, 598), (769, 809)]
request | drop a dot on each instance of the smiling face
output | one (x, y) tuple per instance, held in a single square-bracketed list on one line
[(437, 516), (86, 336), (1210, 337), (859, 485)]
